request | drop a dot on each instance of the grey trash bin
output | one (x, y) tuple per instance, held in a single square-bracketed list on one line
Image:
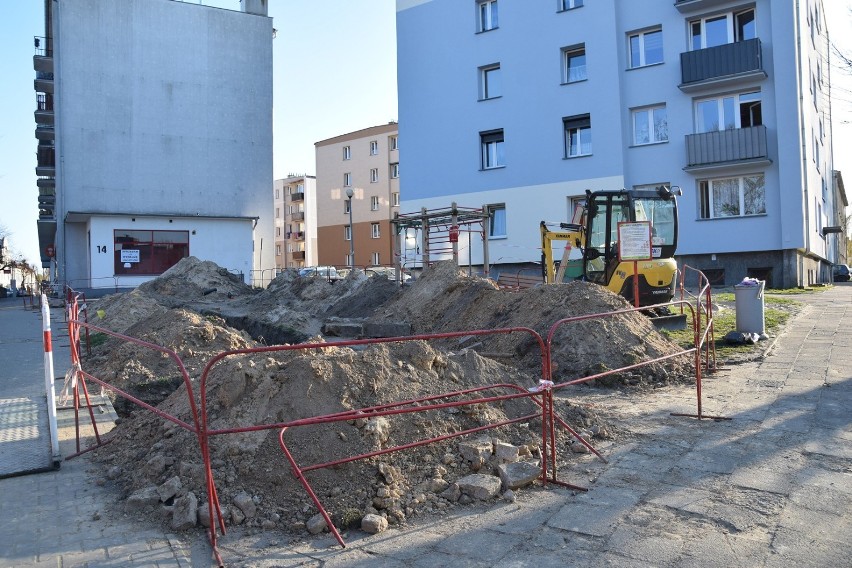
[(750, 308)]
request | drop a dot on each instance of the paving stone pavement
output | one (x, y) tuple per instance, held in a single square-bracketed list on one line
[(770, 488)]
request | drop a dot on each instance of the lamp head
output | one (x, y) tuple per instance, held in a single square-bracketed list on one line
[(349, 192)]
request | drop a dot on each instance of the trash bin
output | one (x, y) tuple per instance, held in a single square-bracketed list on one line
[(748, 297)]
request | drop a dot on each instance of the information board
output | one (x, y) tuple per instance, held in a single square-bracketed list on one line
[(634, 241)]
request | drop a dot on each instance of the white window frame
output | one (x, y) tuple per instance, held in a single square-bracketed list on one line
[(651, 115), (577, 73), (394, 170), (706, 198), (642, 51), (376, 258), (490, 82), (497, 226), (492, 144), (731, 19), (395, 198), (736, 100), (393, 142), (277, 250), (487, 15), (347, 232), (569, 5), (575, 126), (348, 261), (375, 230), (347, 204), (374, 148), (347, 152), (374, 203), (347, 179), (374, 175)]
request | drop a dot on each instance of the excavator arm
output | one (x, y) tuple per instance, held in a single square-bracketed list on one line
[(572, 234)]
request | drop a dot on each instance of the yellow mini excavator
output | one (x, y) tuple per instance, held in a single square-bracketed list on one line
[(592, 251)]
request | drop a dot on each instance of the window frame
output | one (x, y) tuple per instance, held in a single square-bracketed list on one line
[(484, 82), (565, 5), (374, 203), (374, 175), (651, 124), (733, 31), (642, 49), (393, 142), (375, 231), (347, 152), (492, 149), (376, 258), (495, 222), (568, 53), (374, 147), (736, 110), (394, 170), (153, 253), (706, 199), (347, 232), (347, 205), (347, 179), (577, 124), (395, 199), (487, 16)]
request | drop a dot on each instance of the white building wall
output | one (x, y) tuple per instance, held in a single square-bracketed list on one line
[(163, 108)]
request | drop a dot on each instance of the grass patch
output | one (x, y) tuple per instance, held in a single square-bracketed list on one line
[(96, 339), (725, 320)]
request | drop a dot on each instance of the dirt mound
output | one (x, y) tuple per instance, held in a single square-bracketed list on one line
[(191, 280), (255, 481), (117, 312)]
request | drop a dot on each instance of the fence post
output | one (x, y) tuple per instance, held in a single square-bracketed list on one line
[(48, 380)]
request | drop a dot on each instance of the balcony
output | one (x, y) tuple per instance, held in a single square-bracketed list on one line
[(726, 148), (44, 132), (43, 58), (44, 109), (298, 255), (46, 183), (297, 196), (44, 82), (296, 236), (46, 161), (298, 216), (721, 66), (685, 6)]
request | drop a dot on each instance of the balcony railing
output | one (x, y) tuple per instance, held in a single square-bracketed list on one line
[(298, 255), (296, 235), (731, 61), (43, 46), (46, 156), (297, 216), (44, 102), (694, 5), (726, 147), (297, 196)]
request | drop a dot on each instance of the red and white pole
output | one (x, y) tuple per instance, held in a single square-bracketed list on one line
[(48, 380)]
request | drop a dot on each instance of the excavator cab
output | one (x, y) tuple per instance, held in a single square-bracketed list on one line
[(601, 262)]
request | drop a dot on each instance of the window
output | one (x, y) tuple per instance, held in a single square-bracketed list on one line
[(374, 203), (347, 152), (277, 231), (393, 142), (374, 175), (497, 221), (650, 125), (148, 252), (394, 171), (277, 212), (277, 193), (569, 4), (277, 250), (735, 111), (578, 135), (375, 258), (349, 260), (374, 230), (347, 179), (347, 233), (489, 82), (722, 29), (573, 64), (732, 197), (395, 198), (646, 48), (487, 18), (374, 148), (492, 149), (347, 204)]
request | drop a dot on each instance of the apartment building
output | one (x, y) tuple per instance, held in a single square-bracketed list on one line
[(296, 221), (357, 196), (154, 128), (522, 106)]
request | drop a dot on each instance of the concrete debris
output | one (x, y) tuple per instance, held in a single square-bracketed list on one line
[(143, 498), (185, 514), (316, 524), (518, 474), (373, 524), (479, 486)]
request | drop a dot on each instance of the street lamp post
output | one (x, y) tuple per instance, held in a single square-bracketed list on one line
[(349, 194)]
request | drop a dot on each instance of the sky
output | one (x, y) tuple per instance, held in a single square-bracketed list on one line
[(334, 71)]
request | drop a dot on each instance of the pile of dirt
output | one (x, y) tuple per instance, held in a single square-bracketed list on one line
[(255, 481)]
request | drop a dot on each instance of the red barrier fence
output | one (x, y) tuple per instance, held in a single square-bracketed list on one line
[(541, 395)]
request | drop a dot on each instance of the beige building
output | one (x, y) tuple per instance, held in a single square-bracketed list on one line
[(295, 213), (367, 163)]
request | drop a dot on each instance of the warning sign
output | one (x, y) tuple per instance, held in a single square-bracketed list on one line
[(634, 241)]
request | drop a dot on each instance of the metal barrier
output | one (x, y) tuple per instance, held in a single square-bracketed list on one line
[(541, 395)]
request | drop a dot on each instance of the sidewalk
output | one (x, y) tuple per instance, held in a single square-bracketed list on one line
[(772, 487)]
